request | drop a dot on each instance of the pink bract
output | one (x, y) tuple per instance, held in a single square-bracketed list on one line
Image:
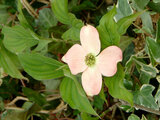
[(105, 62)]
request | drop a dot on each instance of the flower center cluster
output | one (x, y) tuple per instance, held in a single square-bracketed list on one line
[(90, 60)]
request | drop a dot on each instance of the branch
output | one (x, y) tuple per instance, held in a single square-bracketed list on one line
[(150, 110), (26, 99), (29, 8)]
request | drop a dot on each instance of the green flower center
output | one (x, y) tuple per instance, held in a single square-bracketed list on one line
[(90, 60)]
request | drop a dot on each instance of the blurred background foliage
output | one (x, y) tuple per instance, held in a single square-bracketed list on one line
[(25, 95)]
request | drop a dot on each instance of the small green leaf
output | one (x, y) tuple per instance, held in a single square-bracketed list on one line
[(146, 71), (14, 115), (123, 9), (60, 9), (147, 22), (144, 97), (46, 19), (34, 96), (154, 6), (153, 48), (127, 108), (3, 14), (141, 3), (108, 30), (41, 67), (133, 117), (7, 62), (72, 93), (125, 22), (17, 39), (158, 32), (52, 84), (143, 118), (125, 41), (116, 87)]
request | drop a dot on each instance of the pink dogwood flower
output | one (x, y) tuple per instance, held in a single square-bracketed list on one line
[(86, 58)]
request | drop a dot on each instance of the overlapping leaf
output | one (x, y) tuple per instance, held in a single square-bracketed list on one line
[(144, 97), (41, 67), (72, 92), (17, 39), (108, 30), (116, 87)]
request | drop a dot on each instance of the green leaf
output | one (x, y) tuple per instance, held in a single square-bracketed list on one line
[(123, 9), (60, 9), (125, 22), (143, 118), (127, 108), (125, 41), (116, 87), (52, 84), (98, 102), (34, 96), (147, 22), (41, 67), (141, 3), (156, 1), (17, 39), (21, 16), (29, 109), (2, 106), (74, 32), (46, 19), (72, 93), (157, 97), (85, 5), (3, 14), (158, 32), (85, 116), (133, 117), (14, 115), (146, 71), (154, 6), (153, 48), (144, 97), (42, 46), (108, 30), (7, 62)]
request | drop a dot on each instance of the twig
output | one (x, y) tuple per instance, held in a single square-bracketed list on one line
[(16, 99), (113, 112), (43, 1), (26, 99), (150, 110), (14, 108), (29, 8), (148, 34), (123, 117), (110, 109), (54, 111), (23, 83), (53, 98)]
